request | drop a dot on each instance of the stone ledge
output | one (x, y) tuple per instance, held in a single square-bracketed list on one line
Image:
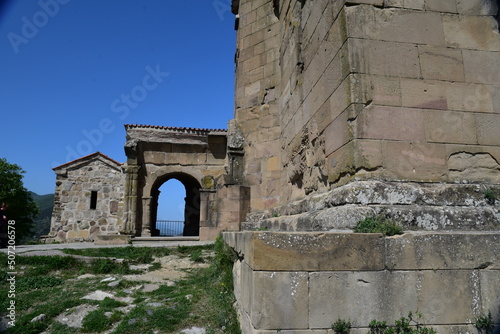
[(338, 251), (424, 206), (443, 251), (410, 217), (112, 239), (302, 251), (374, 192)]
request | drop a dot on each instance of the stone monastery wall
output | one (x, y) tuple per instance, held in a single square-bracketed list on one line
[(303, 283), (335, 91), (360, 108)]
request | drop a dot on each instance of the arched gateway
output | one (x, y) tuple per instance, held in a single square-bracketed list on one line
[(195, 157), (99, 199)]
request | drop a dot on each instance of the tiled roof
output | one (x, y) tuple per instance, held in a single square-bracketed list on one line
[(179, 129), (85, 158)]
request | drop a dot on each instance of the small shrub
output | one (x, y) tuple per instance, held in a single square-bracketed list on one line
[(377, 225), (58, 328), (490, 196), (155, 266), (102, 266), (110, 303), (116, 316), (197, 257), (96, 321), (404, 325), (377, 327), (341, 326), (484, 324), (107, 266)]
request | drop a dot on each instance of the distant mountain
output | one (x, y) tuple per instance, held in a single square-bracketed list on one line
[(42, 222)]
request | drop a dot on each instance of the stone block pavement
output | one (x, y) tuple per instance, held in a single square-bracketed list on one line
[(55, 249)]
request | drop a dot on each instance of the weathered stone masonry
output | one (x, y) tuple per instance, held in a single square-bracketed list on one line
[(329, 92), (367, 107), (88, 199), (126, 195), (197, 158)]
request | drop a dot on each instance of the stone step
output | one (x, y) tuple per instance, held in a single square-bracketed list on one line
[(157, 239), (410, 217), (373, 193)]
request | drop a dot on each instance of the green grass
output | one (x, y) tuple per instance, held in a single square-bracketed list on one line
[(137, 255), (377, 225), (48, 285), (96, 321)]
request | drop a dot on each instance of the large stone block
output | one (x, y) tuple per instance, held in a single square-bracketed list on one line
[(384, 58), (441, 63), (381, 90), (490, 293), (443, 126), (474, 163), (395, 25), (488, 126), (391, 123), (447, 296), (471, 32), (409, 4), (424, 94), (477, 7), (337, 133), (279, 300), (340, 295), (414, 161), (317, 251), (387, 296), (473, 97), (368, 2), (482, 67), (447, 6), (443, 251)]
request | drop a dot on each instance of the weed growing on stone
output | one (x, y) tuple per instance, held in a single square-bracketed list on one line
[(490, 196), (377, 327), (341, 326), (484, 324), (377, 225), (404, 325)]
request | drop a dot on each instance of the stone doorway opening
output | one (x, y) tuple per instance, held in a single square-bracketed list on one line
[(170, 209), (190, 224)]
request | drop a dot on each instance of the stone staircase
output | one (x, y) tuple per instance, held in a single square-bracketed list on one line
[(415, 206)]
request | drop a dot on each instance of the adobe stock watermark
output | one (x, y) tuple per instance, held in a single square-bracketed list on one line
[(121, 107), (222, 7), (30, 27)]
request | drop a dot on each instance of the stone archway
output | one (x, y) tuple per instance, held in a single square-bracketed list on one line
[(191, 206), (195, 157)]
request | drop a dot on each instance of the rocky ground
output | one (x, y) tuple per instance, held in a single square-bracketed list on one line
[(172, 268)]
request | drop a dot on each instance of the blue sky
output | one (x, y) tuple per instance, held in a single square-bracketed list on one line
[(72, 72)]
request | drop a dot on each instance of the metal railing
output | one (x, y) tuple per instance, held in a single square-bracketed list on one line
[(170, 228)]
